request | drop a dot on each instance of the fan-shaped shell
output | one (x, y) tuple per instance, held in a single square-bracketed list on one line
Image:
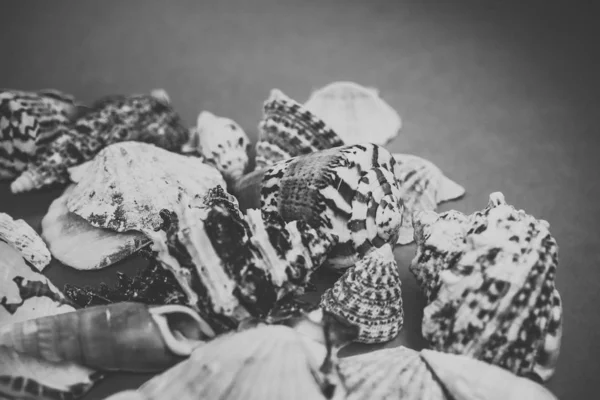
[(356, 113), (370, 296), (127, 184), (288, 129), (489, 279)]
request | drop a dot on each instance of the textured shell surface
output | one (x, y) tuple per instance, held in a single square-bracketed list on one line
[(350, 191), (423, 186), (76, 243), (355, 112), (369, 294), (288, 129), (127, 184), (222, 142), (28, 122), (231, 266), (112, 119), (490, 282), (21, 236)]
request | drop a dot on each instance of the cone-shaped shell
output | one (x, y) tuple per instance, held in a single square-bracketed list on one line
[(489, 279), (355, 112), (19, 235), (288, 129), (370, 296)]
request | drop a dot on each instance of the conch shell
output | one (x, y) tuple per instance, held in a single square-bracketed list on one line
[(356, 113), (288, 129), (222, 142), (112, 119), (349, 191), (369, 294), (489, 281)]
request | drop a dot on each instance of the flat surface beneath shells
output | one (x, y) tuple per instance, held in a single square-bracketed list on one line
[(499, 99)]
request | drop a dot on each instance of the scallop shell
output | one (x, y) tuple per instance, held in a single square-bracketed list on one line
[(222, 143), (76, 243), (28, 122), (355, 112), (489, 280), (112, 119), (370, 296), (423, 186), (127, 184), (19, 235), (288, 129), (349, 191)]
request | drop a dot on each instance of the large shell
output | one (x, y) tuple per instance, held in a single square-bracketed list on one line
[(349, 191), (288, 129), (122, 336), (356, 113), (143, 118), (232, 267), (222, 142), (423, 186), (370, 296), (127, 184), (21, 236), (28, 122), (489, 280)]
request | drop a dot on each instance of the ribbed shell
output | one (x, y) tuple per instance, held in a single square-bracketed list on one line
[(19, 235), (489, 279), (356, 113), (288, 129), (369, 295)]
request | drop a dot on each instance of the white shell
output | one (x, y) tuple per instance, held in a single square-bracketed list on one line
[(356, 113), (127, 184), (25, 240)]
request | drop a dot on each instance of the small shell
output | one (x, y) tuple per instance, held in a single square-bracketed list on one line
[(423, 186), (348, 191), (222, 143), (489, 280), (21, 236), (370, 296), (75, 242), (123, 336), (127, 184), (355, 112), (288, 129), (112, 119)]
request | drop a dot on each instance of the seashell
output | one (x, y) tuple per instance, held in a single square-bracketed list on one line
[(233, 267), (75, 242), (127, 184), (112, 119), (489, 281), (29, 121), (288, 129), (370, 296), (19, 235), (355, 112), (222, 143), (349, 191), (124, 336), (423, 186)]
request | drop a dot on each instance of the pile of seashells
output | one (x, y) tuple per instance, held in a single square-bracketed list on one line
[(216, 313)]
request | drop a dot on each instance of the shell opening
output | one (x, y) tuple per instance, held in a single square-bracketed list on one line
[(181, 328)]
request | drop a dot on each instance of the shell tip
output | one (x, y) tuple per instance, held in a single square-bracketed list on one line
[(496, 199), (161, 95), (23, 183)]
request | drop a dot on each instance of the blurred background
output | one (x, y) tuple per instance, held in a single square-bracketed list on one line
[(502, 96)]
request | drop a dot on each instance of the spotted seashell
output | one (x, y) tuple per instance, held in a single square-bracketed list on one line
[(112, 119), (222, 142), (350, 192), (489, 281), (288, 129), (369, 295), (423, 186), (29, 121), (355, 112)]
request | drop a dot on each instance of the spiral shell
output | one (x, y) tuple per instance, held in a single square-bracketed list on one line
[(288, 129), (349, 191), (489, 281), (112, 119), (370, 296)]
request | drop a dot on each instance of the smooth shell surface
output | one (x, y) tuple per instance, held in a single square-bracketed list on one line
[(21, 236), (355, 112)]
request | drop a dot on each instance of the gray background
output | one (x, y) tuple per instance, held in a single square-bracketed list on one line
[(501, 96)]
